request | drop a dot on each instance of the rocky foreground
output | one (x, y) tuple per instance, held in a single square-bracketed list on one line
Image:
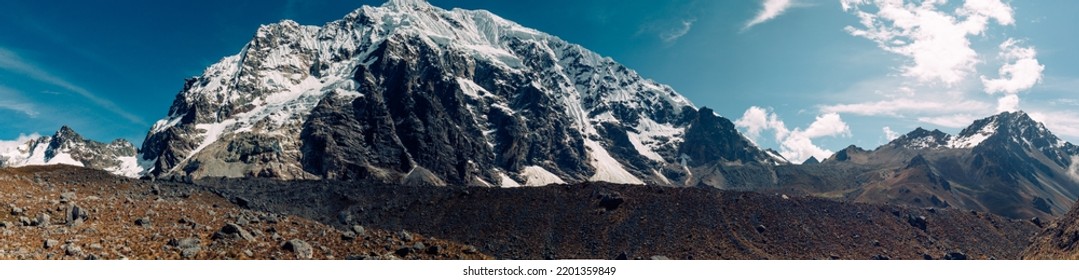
[(1059, 240), (606, 221), (62, 212)]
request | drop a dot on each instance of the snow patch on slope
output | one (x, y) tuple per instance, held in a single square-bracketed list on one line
[(975, 139), (607, 168), (63, 158), (507, 182), (647, 152), (537, 176), (129, 167)]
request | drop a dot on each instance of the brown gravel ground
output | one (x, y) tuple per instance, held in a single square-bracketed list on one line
[(175, 212)]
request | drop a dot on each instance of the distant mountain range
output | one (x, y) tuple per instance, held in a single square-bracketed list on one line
[(408, 93)]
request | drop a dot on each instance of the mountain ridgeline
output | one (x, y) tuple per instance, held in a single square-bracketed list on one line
[(1006, 164), (411, 94)]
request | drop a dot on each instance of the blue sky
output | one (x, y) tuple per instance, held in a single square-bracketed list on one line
[(806, 77)]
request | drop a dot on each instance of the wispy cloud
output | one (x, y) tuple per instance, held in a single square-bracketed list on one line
[(11, 61), (12, 100), (951, 121), (795, 145), (904, 106), (770, 9), (673, 33)]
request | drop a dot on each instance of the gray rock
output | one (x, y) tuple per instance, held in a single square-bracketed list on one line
[(74, 215), (233, 232), (43, 220), (955, 255), (143, 222), (917, 221), (359, 230), (344, 217), (187, 222), (660, 258), (419, 247), (26, 222), (242, 221), (67, 197), (17, 211), (404, 235), (71, 249), (50, 243), (300, 247), (189, 247), (348, 236)]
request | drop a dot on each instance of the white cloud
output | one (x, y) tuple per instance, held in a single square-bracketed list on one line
[(770, 9), (1008, 103), (673, 34), (1021, 72), (828, 124), (936, 41), (13, 62), (1062, 123), (11, 100), (795, 145), (901, 106), (890, 134), (950, 121), (756, 120)]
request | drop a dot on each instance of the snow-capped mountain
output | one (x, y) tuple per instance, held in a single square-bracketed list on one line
[(408, 92), (1013, 127), (68, 147), (1008, 164)]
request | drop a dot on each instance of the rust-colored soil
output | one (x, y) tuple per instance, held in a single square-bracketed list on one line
[(175, 212)]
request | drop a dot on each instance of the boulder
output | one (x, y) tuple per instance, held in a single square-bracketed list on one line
[(300, 247), (232, 232)]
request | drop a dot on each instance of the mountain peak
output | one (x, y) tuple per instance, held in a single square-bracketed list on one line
[(66, 134), (921, 138), (407, 4), (1011, 127)]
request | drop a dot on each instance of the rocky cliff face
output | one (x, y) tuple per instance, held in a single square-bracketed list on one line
[(409, 92), (68, 147)]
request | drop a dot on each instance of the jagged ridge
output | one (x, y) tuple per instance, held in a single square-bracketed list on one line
[(409, 92)]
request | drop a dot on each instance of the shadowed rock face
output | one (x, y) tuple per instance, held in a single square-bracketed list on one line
[(464, 97)]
